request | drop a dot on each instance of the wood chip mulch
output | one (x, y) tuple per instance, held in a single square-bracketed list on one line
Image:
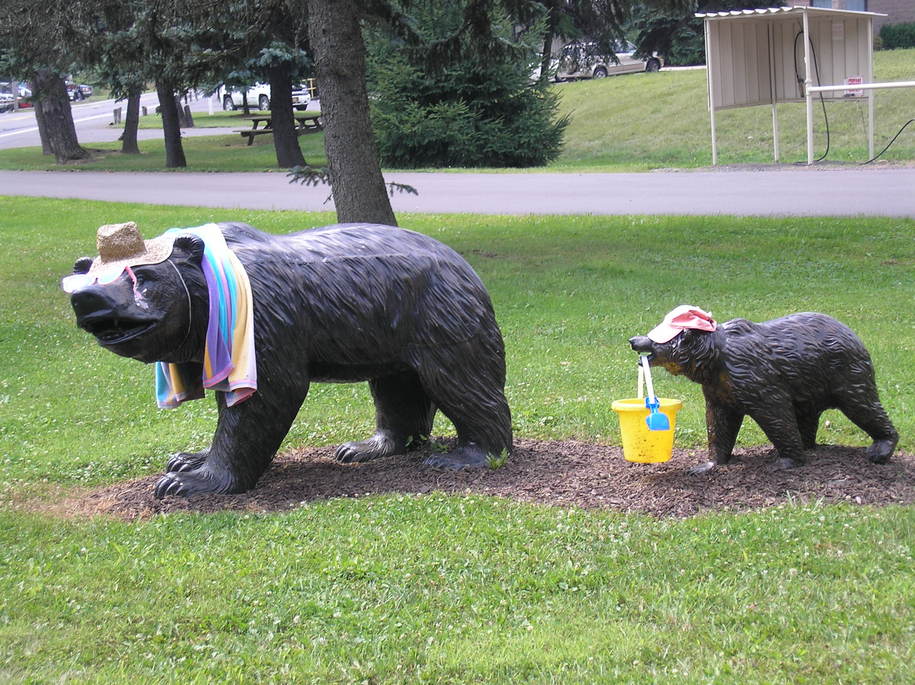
[(565, 474)]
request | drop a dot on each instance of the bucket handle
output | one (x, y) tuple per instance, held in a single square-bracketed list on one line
[(655, 419)]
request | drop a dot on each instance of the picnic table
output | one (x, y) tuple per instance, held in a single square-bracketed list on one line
[(304, 123)]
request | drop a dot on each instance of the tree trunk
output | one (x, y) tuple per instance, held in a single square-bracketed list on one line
[(174, 152), (131, 123), (356, 182), (285, 139), (59, 129), (42, 129), (552, 22)]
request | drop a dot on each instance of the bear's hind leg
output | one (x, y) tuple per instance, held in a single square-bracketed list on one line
[(779, 422), (466, 381), (403, 419), (868, 414)]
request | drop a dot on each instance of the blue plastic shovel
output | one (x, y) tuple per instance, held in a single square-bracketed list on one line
[(655, 420)]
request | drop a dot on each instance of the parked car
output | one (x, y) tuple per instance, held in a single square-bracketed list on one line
[(585, 60), (7, 102), (259, 97), (78, 91)]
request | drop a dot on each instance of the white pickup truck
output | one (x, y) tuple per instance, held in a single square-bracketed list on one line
[(259, 97)]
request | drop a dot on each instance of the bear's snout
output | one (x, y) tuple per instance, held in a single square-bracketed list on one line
[(91, 301), (641, 343)]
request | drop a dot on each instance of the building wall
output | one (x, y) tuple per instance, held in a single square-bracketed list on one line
[(898, 11)]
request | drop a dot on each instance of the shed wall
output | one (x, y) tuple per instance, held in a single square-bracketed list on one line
[(754, 59)]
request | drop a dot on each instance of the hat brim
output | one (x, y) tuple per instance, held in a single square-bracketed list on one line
[(664, 332), (156, 250)]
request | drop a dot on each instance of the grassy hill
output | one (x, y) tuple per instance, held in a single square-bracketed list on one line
[(648, 121)]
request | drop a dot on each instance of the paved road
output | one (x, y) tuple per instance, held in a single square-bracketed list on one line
[(781, 192), (784, 191), (93, 123)]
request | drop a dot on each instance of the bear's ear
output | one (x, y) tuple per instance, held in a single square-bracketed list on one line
[(191, 245), (82, 265)]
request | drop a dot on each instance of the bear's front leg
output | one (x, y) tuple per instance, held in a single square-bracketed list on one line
[(247, 437), (722, 423)]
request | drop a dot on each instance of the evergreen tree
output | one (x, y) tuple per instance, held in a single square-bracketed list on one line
[(473, 109)]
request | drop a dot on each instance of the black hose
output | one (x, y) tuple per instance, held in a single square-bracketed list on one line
[(816, 68), (877, 156)]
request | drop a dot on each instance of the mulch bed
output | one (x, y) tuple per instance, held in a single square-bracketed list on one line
[(566, 474)]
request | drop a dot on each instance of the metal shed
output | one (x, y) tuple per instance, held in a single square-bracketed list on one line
[(769, 56)]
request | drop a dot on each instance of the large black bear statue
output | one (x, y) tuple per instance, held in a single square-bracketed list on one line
[(783, 373), (342, 303)]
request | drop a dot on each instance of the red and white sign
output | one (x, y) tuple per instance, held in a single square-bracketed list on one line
[(854, 92)]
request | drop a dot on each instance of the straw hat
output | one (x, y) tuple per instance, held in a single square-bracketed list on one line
[(121, 245)]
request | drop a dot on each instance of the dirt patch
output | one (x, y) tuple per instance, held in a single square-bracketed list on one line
[(568, 474)]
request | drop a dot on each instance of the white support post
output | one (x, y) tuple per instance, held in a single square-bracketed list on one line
[(808, 83), (711, 90), (870, 124), (772, 91), (870, 94), (775, 150)]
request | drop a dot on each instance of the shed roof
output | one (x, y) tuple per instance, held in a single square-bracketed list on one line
[(783, 13)]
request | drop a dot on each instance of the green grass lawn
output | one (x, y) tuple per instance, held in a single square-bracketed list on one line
[(634, 122), (207, 153), (445, 588)]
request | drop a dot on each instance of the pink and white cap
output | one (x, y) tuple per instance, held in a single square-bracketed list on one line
[(682, 317)]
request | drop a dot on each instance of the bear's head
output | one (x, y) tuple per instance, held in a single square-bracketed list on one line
[(685, 343), (690, 353), (149, 312)]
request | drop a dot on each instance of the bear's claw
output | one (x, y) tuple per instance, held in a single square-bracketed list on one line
[(186, 483), (375, 447), (186, 461)]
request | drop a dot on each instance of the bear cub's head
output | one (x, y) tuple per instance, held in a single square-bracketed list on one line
[(685, 343), (149, 312)]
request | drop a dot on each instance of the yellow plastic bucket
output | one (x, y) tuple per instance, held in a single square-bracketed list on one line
[(640, 444)]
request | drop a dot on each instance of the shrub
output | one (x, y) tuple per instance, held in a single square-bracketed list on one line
[(894, 36)]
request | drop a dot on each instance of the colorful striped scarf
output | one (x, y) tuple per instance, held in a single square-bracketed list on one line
[(229, 363)]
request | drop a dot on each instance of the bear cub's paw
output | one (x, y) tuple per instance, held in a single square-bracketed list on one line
[(704, 467), (785, 463), (881, 451)]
